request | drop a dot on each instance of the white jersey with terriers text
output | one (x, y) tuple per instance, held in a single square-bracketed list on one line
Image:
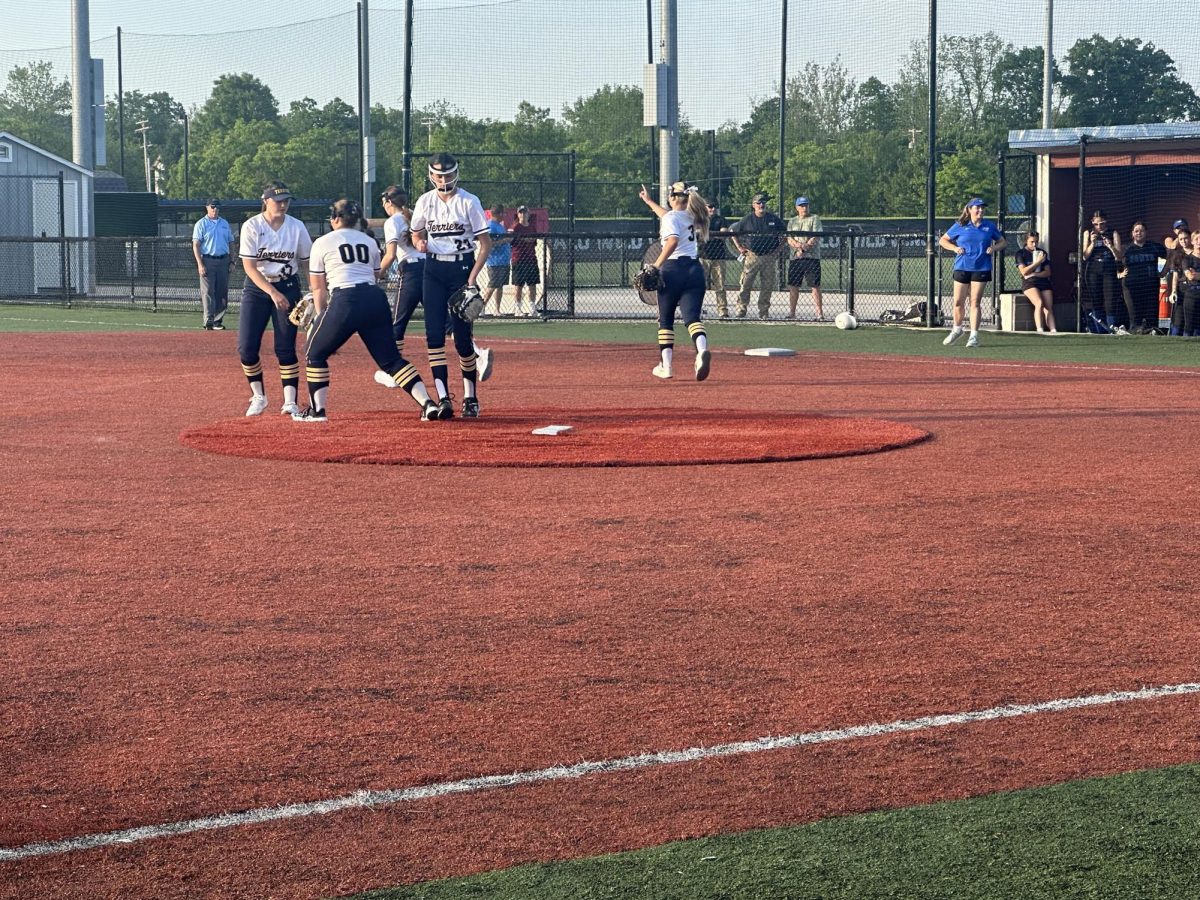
[(679, 223), (345, 257), (394, 231), (450, 225), (278, 252)]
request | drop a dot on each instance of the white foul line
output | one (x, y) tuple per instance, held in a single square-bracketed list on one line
[(375, 799)]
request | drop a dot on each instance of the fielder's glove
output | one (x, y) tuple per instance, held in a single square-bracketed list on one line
[(303, 312), (467, 303), (648, 280)]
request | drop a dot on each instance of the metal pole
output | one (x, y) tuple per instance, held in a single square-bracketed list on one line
[(1048, 68), (64, 256), (713, 188), (668, 138), (406, 162), (783, 209), (83, 144), (1081, 183), (1001, 222), (570, 233), (651, 131), (931, 249), (121, 102), (365, 140), (187, 129)]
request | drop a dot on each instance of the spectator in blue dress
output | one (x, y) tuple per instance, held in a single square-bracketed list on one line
[(499, 261), (974, 241)]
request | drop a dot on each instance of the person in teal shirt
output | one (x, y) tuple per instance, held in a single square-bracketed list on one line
[(212, 239), (974, 241)]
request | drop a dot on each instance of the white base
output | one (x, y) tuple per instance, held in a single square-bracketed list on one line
[(770, 351)]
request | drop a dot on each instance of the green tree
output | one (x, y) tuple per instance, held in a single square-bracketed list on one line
[(1017, 90), (235, 98), (874, 107), (163, 116), (1123, 82), (304, 115), (35, 106)]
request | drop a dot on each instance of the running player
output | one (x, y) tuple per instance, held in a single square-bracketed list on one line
[(347, 301), (681, 229), (274, 248), (448, 225)]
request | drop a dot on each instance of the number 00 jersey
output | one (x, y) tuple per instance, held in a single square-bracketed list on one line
[(451, 225), (677, 222), (346, 257), (278, 252)]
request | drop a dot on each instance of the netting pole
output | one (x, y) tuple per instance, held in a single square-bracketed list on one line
[(1001, 221), (668, 137), (571, 232), (121, 102), (1048, 68), (406, 162), (931, 169), (783, 208), (1081, 183), (651, 131)]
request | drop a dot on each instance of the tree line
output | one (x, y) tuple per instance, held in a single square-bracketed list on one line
[(858, 148)]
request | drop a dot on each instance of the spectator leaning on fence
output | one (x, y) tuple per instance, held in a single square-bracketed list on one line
[(212, 244), (713, 254), (805, 264), (758, 238), (974, 241)]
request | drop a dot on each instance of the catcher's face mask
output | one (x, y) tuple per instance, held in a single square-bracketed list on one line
[(443, 177)]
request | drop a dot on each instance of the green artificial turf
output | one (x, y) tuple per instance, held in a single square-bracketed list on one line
[(1129, 836)]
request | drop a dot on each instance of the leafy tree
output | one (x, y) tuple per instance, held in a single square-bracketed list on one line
[(1123, 82), (35, 106), (874, 107), (235, 98), (1017, 89), (304, 115), (963, 175), (163, 116)]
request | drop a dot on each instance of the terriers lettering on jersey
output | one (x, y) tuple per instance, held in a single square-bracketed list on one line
[(679, 223), (453, 224), (278, 252), (394, 230), (345, 257)]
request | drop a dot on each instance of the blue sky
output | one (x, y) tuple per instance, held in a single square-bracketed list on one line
[(484, 56)]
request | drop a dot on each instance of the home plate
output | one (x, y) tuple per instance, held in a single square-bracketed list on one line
[(553, 430), (770, 351)]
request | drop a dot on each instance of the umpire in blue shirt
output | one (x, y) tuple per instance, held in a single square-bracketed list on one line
[(212, 241)]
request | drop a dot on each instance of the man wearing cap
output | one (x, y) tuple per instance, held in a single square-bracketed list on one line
[(758, 238), (805, 265), (524, 262), (713, 254), (212, 243)]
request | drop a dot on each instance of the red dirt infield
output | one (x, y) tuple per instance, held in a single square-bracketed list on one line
[(614, 437), (189, 634)]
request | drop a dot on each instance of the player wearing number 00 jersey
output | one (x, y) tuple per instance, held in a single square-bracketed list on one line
[(274, 248), (681, 229), (449, 227), (345, 266)]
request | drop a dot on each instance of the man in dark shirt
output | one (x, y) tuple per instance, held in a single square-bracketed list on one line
[(713, 254), (758, 238)]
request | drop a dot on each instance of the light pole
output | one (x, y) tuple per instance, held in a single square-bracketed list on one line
[(143, 129)]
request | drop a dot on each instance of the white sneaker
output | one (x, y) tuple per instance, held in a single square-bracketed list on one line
[(310, 415), (382, 377), (484, 366), (703, 362), (290, 409), (258, 403), (954, 335), (973, 340), (661, 371)]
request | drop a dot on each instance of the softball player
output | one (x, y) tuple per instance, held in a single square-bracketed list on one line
[(449, 227), (399, 248), (274, 247), (681, 229), (345, 266)]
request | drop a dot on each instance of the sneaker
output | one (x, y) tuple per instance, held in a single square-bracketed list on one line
[(661, 371), (290, 409), (310, 415), (471, 408), (217, 326), (485, 364), (207, 326), (703, 362), (382, 377), (258, 403), (954, 335), (445, 409), (973, 340), (430, 412)]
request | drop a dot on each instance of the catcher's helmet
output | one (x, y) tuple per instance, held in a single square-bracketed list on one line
[(447, 165)]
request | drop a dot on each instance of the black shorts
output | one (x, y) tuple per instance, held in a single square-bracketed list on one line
[(1038, 284), (963, 277), (802, 270), (525, 272), (497, 276)]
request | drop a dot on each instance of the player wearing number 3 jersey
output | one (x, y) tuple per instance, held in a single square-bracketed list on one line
[(449, 227), (345, 266)]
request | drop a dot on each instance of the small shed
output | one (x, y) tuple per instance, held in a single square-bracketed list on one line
[(1147, 172), (41, 196)]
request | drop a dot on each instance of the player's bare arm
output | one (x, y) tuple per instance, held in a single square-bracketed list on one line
[(481, 254)]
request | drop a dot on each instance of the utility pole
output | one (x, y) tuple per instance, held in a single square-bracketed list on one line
[(143, 129)]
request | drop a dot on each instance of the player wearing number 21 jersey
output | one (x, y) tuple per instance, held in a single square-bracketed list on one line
[(345, 266), (448, 225)]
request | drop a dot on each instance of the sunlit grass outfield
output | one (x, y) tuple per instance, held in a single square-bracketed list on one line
[(1079, 348), (1132, 836)]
